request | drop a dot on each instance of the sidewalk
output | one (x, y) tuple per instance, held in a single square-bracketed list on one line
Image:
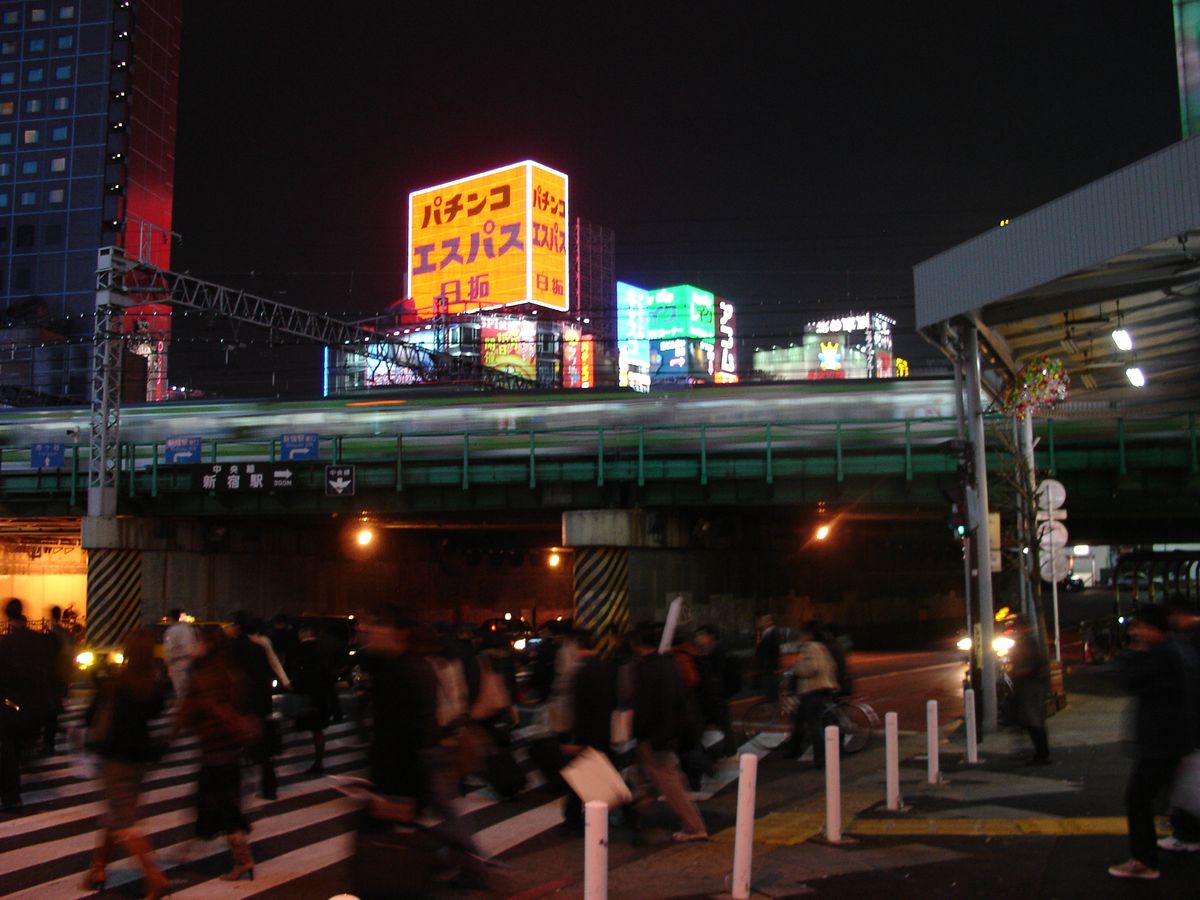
[(1000, 829)]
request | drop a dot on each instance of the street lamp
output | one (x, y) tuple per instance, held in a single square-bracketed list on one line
[(822, 533)]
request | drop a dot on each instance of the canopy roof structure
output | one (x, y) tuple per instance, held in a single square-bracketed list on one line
[(1120, 253)]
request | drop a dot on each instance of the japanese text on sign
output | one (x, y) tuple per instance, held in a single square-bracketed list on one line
[(489, 240)]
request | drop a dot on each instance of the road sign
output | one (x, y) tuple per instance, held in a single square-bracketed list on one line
[(995, 545), (243, 477), (183, 450), (1052, 537), (339, 481), (46, 456), (1050, 494), (1054, 567), (299, 446)]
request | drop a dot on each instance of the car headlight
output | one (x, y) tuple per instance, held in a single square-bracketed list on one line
[(85, 659), (1002, 645), (964, 644), (519, 644), (117, 659)]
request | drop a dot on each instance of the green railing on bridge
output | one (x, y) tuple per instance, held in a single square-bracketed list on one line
[(701, 453)]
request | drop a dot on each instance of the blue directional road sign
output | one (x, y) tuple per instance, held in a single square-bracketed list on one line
[(183, 450), (301, 446), (46, 456)]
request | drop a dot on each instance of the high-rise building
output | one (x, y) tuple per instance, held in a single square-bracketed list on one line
[(87, 159)]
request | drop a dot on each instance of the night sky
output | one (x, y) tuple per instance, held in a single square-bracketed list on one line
[(796, 164)]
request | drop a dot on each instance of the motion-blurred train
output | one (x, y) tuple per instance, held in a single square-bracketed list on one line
[(432, 411)]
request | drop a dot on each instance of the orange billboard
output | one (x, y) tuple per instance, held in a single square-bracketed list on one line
[(490, 240)]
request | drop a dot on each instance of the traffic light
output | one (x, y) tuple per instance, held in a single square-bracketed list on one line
[(957, 521)]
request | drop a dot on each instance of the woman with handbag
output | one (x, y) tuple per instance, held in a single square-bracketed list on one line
[(215, 707), (118, 724)]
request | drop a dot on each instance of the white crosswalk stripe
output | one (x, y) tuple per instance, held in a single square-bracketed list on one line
[(45, 850)]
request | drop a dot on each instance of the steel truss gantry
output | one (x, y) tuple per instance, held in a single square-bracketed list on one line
[(121, 282)]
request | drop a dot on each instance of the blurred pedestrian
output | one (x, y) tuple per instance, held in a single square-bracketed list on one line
[(720, 679), (255, 665), (594, 700), (180, 646), (659, 709), (1164, 677), (816, 673), (26, 697), (216, 707), (1030, 671), (766, 654), (315, 683), (118, 724), (1184, 622), (283, 640), (62, 646)]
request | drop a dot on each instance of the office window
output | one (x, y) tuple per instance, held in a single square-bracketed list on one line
[(66, 12), (54, 233), (58, 164), (28, 198), (3, 200), (33, 105), (37, 45), (65, 41), (22, 279), (8, 48), (35, 75), (59, 133), (62, 73), (10, 18), (6, 107), (8, 77), (3, 241), (5, 169), (24, 236), (29, 167), (31, 136), (56, 195), (37, 15), (5, 138), (61, 103)]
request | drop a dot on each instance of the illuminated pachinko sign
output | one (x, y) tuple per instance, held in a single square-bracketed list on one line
[(510, 345), (671, 334), (489, 240), (726, 361), (578, 358), (863, 344)]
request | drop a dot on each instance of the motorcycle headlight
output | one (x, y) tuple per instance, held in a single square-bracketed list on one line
[(964, 644), (85, 659), (1002, 645)]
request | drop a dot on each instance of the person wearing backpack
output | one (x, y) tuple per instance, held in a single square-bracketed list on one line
[(118, 723)]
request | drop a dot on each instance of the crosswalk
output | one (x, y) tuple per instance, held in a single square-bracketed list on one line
[(46, 848)]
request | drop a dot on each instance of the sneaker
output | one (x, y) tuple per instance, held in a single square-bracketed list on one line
[(1131, 868), (1176, 845)]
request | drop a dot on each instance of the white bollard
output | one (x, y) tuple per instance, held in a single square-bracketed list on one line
[(595, 850), (969, 723), (833, 785), (891, 726), (743, 844), (931, 738)]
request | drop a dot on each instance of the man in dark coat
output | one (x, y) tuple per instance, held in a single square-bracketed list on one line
[(1164, 677), (26, 696), (252, 659), (1185, 827), (766, 652), (720, 679), (1030, 671), (62, 643), (659, 709)]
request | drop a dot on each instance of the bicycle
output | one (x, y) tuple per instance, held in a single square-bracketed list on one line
[(856, 720)]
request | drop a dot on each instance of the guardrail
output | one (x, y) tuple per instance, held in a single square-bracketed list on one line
[(763, 451)]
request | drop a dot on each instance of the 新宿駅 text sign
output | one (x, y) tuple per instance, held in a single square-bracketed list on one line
[(494, 239)]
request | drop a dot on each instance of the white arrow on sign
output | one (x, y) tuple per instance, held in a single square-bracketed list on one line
[(46, 463), (182, 455), (340, 484), (286, 473)]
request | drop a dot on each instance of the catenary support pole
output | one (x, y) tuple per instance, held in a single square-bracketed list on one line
[(931, 740), (833, 785), (743, 845), (595, 851), (983, 574), (969, 723), (891, 727)]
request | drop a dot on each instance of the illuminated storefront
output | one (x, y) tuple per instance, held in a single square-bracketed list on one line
[(854, 345), (674, 335)]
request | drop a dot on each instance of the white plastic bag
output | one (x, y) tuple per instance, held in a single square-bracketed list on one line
[(1185, 790), (592, 777)]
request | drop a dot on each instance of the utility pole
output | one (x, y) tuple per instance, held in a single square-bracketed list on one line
[(983, 573)]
